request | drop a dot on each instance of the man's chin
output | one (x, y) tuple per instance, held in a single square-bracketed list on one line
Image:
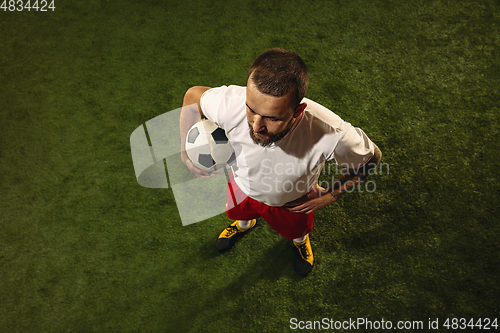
[(265, 140), (261, 140)]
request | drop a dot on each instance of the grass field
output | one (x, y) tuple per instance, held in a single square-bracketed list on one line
[(85, 248)]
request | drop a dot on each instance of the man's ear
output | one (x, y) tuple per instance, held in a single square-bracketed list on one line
[(299, 110)]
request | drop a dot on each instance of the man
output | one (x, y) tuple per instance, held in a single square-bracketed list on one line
[(282, 141)]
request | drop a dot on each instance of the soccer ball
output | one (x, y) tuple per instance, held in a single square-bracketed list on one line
[(208, 147)]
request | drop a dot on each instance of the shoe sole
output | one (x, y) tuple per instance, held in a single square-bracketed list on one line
[(302, 267)]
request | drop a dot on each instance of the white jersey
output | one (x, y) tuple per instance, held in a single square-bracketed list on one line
[(289, 168)]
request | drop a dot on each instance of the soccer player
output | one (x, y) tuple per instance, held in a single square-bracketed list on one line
[(282, 141)]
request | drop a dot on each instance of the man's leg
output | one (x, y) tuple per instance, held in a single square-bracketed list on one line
[(295, 226), (245, 224), (300, 239), (240, 208)]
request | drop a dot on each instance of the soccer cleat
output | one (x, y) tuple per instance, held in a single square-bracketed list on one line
[(230, 235), (305, 259)]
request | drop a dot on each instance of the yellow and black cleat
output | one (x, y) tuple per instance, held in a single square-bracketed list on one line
[(305, 259), (230, 235)]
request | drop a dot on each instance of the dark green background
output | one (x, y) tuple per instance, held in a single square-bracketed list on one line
[(83, 247)]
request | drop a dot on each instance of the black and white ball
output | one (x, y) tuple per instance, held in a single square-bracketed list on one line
[(208, 147)]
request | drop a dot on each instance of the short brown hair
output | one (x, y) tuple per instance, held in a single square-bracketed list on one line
[(276, 71)]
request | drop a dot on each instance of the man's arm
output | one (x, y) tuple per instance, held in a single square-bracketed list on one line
[(320, 197), (353, 177), (191, 113)]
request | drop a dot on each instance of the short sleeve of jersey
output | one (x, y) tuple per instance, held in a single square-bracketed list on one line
[(354, 149), (224, 105), (210, 103)]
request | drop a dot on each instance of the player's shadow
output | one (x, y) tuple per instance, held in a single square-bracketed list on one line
[(275, 261), (272, 264)]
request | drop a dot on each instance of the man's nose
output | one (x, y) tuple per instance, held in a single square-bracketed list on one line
[(258, 124)]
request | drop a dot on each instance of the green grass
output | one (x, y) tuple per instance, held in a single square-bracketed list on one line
[(83, 247)]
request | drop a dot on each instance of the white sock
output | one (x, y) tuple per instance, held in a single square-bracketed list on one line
[(244, 224), (300, 239)]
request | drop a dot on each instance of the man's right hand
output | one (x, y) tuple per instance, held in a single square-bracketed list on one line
[(193, 168)]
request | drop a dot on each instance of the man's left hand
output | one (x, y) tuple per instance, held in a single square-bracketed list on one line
[(316, 199)]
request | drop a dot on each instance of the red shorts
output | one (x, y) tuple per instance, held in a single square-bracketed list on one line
[(288, 224)]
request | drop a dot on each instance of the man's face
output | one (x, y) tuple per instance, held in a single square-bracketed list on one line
[(269, 118)]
